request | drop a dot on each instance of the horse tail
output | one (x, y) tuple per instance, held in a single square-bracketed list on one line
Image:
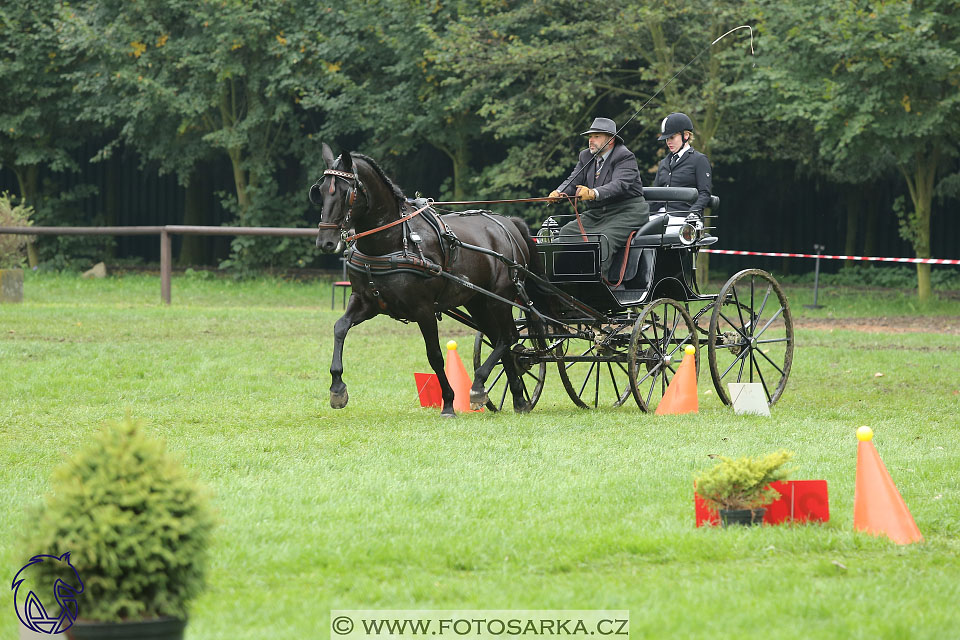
[(533, 263)]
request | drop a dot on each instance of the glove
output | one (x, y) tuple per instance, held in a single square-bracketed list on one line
[(585, 193), (555, 195), (694, 217)]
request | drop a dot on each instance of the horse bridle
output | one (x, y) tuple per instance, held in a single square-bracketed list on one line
[(354, 186)]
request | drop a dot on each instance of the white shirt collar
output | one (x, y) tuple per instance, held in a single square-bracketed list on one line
[(686, 147)]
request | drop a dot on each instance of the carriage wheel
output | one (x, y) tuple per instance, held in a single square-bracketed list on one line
[(600, 375), (751, 335), (660, 334), (533, 371)]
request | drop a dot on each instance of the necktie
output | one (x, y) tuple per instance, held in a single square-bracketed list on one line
[(673, 160), (599, 166)]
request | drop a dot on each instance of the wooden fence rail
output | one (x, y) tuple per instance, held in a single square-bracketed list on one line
[(164, 232)]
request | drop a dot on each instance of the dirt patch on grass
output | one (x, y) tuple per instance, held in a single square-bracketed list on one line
[(942, 325)]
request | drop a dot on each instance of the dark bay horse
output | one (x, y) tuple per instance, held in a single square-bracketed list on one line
[(411, 264)]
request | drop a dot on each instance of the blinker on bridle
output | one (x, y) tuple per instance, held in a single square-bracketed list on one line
[(353, 186)]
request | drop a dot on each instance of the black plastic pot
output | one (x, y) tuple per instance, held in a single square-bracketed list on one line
[(155, 629), (744, 517)]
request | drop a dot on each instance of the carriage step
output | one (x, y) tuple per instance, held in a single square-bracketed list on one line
[(630, 297)]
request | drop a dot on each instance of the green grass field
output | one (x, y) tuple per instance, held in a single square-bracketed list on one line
[(385, 505)]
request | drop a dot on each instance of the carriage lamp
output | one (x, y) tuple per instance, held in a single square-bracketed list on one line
[(548, 231), (689, 233)]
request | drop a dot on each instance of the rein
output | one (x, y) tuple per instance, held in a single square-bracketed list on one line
[(571, 199), (350, 176), (460, 202), (399, 220)]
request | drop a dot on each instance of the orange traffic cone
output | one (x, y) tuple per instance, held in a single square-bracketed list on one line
[(878, 507), (681, 395), (458, 378)]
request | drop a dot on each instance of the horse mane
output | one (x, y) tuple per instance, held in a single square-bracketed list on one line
[(397, 193)]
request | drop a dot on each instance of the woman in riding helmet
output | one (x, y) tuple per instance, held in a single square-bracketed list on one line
[(683, 167)]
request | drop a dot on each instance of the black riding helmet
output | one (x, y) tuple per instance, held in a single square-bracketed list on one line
[(674, 123)]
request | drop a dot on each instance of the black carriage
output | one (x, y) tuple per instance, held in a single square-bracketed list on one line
[(622, 334)]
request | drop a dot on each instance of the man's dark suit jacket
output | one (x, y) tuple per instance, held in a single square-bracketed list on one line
[(619, 177)]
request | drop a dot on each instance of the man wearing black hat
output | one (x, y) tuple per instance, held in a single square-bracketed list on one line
[(607, 181)]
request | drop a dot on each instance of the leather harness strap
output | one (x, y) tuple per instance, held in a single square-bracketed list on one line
[(623, 267), (399, 220)]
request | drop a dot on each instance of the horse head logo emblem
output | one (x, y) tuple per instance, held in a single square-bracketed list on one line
[(67, 586)]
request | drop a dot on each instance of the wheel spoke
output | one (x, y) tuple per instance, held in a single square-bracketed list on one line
[(503, 396), (772, 363), (769, 322), (741, 328), (613, 380), (743, 325), (760, 375), (763, 304), (586, 379), (596, 386), (529, 374), (656, 370)]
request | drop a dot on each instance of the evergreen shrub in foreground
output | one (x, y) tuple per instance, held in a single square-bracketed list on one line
[(137, 527)]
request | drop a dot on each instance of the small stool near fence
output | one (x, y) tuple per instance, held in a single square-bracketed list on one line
[(343, 283)]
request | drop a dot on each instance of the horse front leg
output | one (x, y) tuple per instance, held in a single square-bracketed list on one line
[(356, 312), (431, 340)]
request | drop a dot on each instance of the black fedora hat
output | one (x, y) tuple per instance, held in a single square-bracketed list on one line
[(603, 125)]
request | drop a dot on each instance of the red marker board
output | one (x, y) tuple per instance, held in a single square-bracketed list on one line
[(800, 501), (428, 389)]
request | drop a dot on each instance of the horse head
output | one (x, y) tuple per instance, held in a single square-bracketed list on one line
[(336, 192)]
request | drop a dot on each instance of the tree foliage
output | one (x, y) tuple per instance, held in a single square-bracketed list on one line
[(36, 110), (181, 81), (877, 86), (855, 93)]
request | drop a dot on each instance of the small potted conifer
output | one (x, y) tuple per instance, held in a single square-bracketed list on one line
[(740, 489), (12, 248), (137, 529)]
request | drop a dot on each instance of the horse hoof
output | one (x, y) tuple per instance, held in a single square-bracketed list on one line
[(475, 406), (523, 407), (478, 399), (444, 414), (338, 400)]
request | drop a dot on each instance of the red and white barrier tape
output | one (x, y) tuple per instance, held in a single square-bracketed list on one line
[(829, 257)]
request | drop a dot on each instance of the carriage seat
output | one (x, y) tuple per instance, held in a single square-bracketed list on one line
[(642, 245), (654, 227)]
